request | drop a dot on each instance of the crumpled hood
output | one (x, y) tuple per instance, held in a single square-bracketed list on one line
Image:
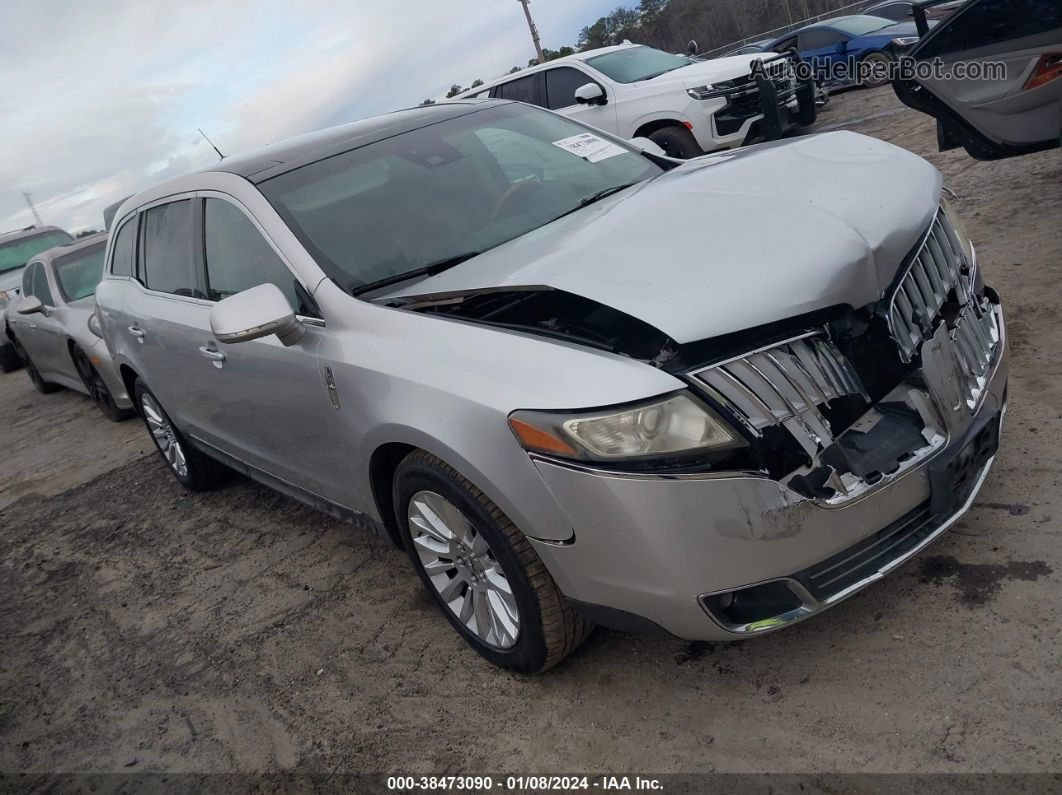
[(731, 241)]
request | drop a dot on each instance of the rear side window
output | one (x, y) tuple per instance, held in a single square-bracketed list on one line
[(124, 248), (991, 22), (521, 90), (561, 84), (167, 262), (238, 257), (40, 286), (817, 39)]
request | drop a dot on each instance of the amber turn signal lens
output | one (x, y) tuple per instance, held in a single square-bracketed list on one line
[(1047, 69), (537, 439)]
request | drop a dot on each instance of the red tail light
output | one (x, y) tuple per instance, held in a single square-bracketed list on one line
[(1047, 69)]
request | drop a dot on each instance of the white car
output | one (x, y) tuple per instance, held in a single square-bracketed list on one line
[(687, 107)]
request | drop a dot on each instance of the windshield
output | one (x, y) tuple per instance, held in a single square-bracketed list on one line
[(16, 253), (80, 272), (859, 26), (451, 189), (637, 63)]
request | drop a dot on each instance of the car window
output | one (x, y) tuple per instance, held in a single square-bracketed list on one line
[(893, 11), (79, 273), (238, 257), (819, 38), (27, 279), (124, 248), (167, 262), (561, 84), (521, 90), (460, 186), (40, 286), (16, 253), (990, 22), (785, 44)]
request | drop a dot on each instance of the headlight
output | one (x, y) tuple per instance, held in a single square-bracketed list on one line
[(710, 90), (94, 325), (904, 41), (663, 427), (4, 298)]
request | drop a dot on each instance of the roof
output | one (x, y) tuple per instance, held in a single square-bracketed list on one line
[(260, 164), (30, 231), (50, 255), (579, 56)]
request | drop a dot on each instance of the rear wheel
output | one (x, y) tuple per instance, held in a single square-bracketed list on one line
[(192, 469), (677, 142), (481, 570), (98, 390)]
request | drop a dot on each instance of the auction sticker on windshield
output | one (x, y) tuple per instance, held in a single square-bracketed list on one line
[(589, 147)]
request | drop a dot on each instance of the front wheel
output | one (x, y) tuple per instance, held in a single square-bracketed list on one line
[(677, 142), (481, 570), (192, 469), (9, 358), (35, 377), (874, 70)]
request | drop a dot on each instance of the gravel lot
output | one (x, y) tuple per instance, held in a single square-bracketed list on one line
[(147, 629)]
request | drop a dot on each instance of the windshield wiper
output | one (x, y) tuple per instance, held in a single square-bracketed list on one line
[(430, 269), (595, 197)]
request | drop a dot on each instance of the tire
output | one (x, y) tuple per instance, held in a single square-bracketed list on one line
[(512, 580), (192, 469), (677, 142), (9, 358), (98, 390), (874, 69), (35, 377)]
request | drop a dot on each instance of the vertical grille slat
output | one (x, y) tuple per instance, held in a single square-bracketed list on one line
[(787, 385)]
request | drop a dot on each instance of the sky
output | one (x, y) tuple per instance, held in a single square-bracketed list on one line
[(99, 100)]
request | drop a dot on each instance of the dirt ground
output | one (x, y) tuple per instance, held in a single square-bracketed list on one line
[(144, 628)]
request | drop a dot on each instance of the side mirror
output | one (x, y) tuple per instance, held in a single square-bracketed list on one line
[(590, 94), (29, 305), (649, 146), (691, 48), (255, 313)]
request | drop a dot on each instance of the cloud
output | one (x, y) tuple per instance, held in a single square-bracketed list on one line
[(101, 100)]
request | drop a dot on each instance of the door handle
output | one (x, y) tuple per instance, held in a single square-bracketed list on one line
[(137, 332), (215, 356)]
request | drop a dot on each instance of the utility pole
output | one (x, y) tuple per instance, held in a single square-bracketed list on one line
[(534, 31), (36, 216)]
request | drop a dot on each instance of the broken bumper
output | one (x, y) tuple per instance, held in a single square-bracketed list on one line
[(725, 555)]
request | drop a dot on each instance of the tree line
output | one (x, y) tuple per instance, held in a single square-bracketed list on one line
[(671, 24)]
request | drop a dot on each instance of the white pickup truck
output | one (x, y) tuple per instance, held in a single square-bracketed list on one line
[(685, 106)]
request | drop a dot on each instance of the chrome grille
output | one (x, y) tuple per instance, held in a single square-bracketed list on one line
[(785, 384), (974, 338), (938, 269)]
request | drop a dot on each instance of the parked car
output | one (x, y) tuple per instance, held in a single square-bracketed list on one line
[(850, 50), (992, 116), (749, 49), (685, 106), (494, 335), (55, 330), (903, 11), (16, 248)]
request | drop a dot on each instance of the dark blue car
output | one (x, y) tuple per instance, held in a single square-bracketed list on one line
[(850, 50)]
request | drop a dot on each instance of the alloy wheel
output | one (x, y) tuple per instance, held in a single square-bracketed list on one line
[(164, 435), (463, 569)]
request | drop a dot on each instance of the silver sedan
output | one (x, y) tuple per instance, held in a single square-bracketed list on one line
[(55, 330)]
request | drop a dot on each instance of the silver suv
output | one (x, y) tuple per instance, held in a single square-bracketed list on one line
[(578, 382)]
